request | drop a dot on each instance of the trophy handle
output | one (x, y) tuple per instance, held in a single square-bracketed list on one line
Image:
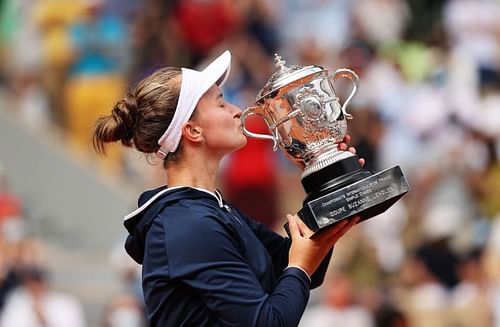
[(256, 110), (347, 73)]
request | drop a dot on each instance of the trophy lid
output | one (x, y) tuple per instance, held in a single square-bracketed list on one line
[(285, 75)]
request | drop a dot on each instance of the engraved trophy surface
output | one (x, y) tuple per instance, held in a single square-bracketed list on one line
[(306, 122)]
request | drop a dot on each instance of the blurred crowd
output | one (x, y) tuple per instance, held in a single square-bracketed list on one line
[(429, 101)]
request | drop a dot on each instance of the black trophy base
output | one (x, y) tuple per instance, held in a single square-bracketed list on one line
[(349, 191)]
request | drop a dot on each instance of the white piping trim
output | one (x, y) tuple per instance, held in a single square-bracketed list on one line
[(216, 195)]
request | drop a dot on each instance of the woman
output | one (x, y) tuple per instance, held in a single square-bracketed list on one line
[(204, 262)]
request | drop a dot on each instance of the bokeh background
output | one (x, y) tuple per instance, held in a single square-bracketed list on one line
[(429, 101)]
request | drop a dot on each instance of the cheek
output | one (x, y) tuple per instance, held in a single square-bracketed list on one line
[(224, 123), (219, 127)]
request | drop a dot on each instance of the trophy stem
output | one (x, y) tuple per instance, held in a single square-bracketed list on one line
[(322, 160)]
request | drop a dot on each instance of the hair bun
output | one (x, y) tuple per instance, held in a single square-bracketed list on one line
[(119, 126), (125, 115)]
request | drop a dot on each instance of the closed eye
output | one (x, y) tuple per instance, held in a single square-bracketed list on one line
[(221, 100)]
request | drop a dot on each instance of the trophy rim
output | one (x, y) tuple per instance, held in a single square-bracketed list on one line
[(287, 76)]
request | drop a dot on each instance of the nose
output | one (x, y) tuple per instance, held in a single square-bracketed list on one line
[(236, 111)]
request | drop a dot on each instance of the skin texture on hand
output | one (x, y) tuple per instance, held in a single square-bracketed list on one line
[(343, 147), (306, 252)]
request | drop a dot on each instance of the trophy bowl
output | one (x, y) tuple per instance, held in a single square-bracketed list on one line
[(307, 122)]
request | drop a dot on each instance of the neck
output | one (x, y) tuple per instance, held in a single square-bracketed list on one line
[(193, 169)]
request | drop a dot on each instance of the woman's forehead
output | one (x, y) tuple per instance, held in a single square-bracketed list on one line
[(214, 91), (210, 96)]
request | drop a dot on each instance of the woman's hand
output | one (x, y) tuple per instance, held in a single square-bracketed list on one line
[(306, 252), (343, 147)]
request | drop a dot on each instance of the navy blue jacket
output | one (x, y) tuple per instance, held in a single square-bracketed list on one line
[(207, 264)]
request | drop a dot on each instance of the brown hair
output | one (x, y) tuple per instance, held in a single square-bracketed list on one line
[(143, 116)]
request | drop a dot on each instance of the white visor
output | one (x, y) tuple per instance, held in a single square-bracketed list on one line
[(193, 85)]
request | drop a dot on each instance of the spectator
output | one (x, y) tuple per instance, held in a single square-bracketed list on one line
[(51, 20), (205, 24), (8, 277), (124, 311), (34, 304), (96, 75), (10, 210), (470, 299), (339, 307)]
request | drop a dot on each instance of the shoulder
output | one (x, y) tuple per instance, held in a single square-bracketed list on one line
[(193, 239), (196, 226), (194, 223), (190, 211)]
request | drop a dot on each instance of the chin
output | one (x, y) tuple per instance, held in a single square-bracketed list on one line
[(244, 141), (241, 144)]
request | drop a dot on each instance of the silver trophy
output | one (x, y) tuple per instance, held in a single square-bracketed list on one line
[(307, 121)]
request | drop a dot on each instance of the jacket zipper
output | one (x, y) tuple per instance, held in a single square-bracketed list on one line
[(228, 208)]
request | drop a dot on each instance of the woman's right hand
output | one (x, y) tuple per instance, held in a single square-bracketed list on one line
[(306, 252)]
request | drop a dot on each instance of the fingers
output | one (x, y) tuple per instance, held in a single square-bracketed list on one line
[(343, 147), (331, 231), (304, 230), (343, 229), (294, 227), (352, 221), (340, 229), (299, 229), (300, 164)]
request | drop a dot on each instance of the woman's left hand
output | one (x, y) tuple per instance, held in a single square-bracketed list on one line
[(343, 147)]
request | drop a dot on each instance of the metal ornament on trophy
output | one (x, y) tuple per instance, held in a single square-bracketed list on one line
[(307, 122)]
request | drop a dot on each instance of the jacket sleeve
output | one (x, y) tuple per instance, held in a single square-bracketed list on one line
[(279, 247), (213, 265)]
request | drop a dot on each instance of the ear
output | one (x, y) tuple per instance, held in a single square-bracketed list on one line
[(193, 132)]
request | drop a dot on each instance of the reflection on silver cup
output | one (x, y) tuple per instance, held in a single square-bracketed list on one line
[(303, 113), (306, 122)]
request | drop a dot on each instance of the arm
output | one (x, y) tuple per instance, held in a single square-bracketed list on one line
[(279, 247), (214, 267)]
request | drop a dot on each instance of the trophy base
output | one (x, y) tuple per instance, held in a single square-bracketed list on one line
[(349, 191)]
